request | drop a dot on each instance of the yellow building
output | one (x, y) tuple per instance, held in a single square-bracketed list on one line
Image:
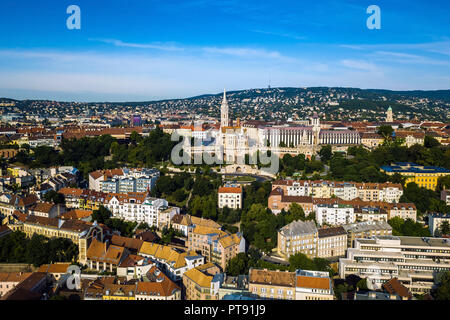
[(424, 176), (202, 282)]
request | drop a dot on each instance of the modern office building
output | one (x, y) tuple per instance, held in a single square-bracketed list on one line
[(415, 261)]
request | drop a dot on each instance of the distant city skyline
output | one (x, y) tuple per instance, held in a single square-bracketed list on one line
[(153, 50)]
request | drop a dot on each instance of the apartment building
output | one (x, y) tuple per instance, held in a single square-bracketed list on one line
[(173, 261), (135, 206), (278, 201), (104, 256), (123, 180), (370, 213), (414, 261), (9, 280), (304, 237), (230, 196), (331, 242), (185, 223), (402, 210), (203, 282), (46, 210), (298, 236), (313, 285), (272, 284), (215, 245), (366, 229), (157, 286), (435, 221), (334, 214), (234, 285), (385, 192), (10, 203)]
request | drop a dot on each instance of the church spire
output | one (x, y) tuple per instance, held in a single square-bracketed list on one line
[(224, 122)]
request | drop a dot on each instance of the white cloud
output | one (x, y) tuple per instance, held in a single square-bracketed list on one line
[(359, 65), (157, 46)]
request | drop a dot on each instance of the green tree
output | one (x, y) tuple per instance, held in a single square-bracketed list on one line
[(325, 153), (443, 290), (445, 227)]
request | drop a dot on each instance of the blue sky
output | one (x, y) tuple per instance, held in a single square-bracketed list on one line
[(155, 49)]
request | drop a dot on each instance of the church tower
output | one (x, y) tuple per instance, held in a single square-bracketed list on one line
[(224, 122), (389, 115)]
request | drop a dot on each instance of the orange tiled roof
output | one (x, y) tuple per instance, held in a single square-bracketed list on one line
[(313, 282)]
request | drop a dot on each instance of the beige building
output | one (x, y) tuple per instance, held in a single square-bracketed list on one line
[(173, 261), (298, 236), (371, 140), (215, 245), (230, 196), (403, 210), (202, 282), (366, 229), (9, 280), (272, 284), (332, 242), (157, 286)]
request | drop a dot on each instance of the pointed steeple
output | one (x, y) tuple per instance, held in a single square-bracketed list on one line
[(224, 122), (224, 100)]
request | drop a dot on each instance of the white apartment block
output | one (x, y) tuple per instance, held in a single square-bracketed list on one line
[(385, 192), (413, 260), (230, 196), (334, 214), (136, 207), (435, 220), (123, 180)]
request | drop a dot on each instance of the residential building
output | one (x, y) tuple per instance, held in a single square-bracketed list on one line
[(157, 286), (334, 214), (435, 221), (298, 236), (46, 210), (385, 192), (313, 285), (272, 284), (331, 242), (174, 262), (403, 210), (203, 282), (395, 287), (234, 285), (369, 213), (230, 196), (135, 206), (215, 245), (9, 280), (123, 180), (103, 256), (32, 287)]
